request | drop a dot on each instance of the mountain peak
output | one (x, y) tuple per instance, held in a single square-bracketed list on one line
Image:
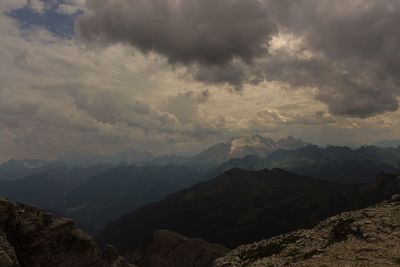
[(251, 145), (248, 145)]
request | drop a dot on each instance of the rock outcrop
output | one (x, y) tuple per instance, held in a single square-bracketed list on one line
[(31, 238), (174, 250), (368, 237)]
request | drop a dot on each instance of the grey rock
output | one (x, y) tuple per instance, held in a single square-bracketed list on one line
[(113, 259), (31, 238), (8, 257), (110, 253), (174, 250), (395, 198), (367, 237)]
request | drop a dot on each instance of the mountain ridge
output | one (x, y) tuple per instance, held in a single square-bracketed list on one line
[(243, 204)]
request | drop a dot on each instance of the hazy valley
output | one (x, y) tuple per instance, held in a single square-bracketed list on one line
[(273, 189)]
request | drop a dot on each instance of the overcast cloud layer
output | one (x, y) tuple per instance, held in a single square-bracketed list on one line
[(172, 76), (346, 49)]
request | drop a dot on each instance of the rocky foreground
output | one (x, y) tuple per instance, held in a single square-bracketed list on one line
[(368, 237), (31, 238), (170, 249)]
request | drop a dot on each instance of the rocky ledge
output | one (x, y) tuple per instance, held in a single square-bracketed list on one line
[(171, 249), (31, 238), (368, 237)]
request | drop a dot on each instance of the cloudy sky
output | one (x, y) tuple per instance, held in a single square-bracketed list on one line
[(174, 76)]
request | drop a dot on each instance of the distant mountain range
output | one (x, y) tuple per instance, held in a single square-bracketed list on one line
[(388, 143), (112, 193), (244, 206), (240, 191), (51, 184), (239, 147), (126, 157), (255, 145), (337, 164), (16, 169), (97, 194), (236, 148)]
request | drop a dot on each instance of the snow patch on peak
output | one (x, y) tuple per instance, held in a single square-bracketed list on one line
[(252, 145)]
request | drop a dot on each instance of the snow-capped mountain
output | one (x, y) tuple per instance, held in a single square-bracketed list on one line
[(255, 145)]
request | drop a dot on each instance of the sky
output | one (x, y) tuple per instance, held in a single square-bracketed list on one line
[(82, 77)]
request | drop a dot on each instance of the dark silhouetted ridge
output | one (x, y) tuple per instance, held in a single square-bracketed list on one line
[(238, 207)]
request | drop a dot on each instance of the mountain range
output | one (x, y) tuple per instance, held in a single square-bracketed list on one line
[(242, 206), (16, 169), (240, 191), (337, 164), (112, 193), (255, 145), (97, 194), (388, 143), (50, 184)]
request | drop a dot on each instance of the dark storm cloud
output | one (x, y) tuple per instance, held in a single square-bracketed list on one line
[(348, 90), (230, 73), (355, 64), (185, 31), (358, 40)]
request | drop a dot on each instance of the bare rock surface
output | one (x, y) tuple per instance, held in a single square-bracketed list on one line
[(174, 250), (368, 237), (31, 238), (395, 198), (8, 258)]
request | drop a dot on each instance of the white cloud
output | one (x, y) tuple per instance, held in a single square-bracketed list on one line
[(67, 9), (11, 4), (71, 7), (57, 92), (39, 6)]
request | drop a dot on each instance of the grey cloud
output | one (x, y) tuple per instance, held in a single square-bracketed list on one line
[(82, 120), (185, 105), (359, 39), (115, 108), (207, 33), (355, 91), (233, 74), (271, 117), (365, 28), (180, 116), (356, 72), (186, 108)]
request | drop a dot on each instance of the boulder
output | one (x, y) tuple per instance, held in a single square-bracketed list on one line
[(31, 238), (395, 198), (8, 257), (171, 249)]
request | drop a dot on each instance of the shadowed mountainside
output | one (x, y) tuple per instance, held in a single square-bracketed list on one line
[(110, 194), (242, 206), (46, 188)]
